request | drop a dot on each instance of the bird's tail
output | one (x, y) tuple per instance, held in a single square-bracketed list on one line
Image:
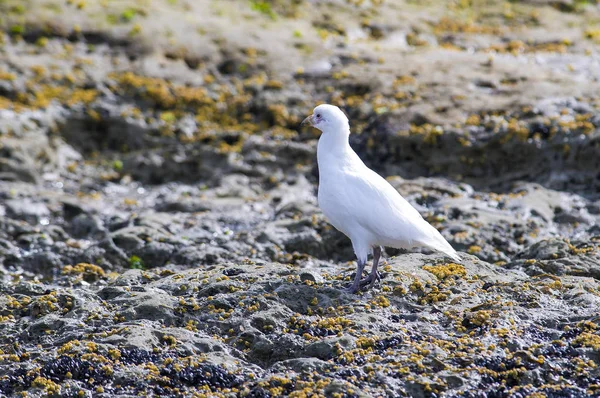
[(450, 252), (437, 242)]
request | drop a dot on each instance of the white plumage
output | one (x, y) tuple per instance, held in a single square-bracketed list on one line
[(362, 204)]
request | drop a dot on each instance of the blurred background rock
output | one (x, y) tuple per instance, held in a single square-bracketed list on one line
[(159, 229)]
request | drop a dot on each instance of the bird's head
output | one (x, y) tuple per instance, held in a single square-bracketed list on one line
[(327, 118)]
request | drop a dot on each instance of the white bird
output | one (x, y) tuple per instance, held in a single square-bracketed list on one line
[(360, 203)]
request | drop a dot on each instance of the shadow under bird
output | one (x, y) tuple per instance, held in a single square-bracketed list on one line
[(362, 204)]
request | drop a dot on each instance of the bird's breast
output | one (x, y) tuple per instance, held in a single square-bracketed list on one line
[(334, 204)]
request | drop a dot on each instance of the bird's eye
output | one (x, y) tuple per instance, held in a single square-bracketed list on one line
[(318, 115)]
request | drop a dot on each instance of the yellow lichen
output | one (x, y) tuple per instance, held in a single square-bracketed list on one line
[(88, 272), (474, 249), (47, 385), (588, 339), (444, 271)]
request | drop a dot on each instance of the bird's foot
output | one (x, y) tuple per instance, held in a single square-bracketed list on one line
[(352, 289), (364, 283), (367, 282), (370, 280)]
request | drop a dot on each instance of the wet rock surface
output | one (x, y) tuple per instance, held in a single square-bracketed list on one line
[(159, 228)]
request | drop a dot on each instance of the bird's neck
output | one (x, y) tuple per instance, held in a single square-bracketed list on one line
[(334, 145)]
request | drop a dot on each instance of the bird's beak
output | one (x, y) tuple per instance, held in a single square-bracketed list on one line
[(308, 121)]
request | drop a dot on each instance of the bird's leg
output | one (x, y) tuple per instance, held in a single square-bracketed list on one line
[(356, 285), (374, 275)]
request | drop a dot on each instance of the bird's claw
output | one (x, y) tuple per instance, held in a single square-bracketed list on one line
[(365, 283), (352, 289), (370, 280)]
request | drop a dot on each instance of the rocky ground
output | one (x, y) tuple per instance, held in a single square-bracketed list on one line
[(159, 231)]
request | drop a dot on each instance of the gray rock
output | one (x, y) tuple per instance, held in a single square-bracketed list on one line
[(302, 365), (313, 276), (549, 249), (87, 226), (155, 254), (176, 150), (26, 210)]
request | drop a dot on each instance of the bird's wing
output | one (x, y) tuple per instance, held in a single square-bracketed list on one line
[(387, 215)]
